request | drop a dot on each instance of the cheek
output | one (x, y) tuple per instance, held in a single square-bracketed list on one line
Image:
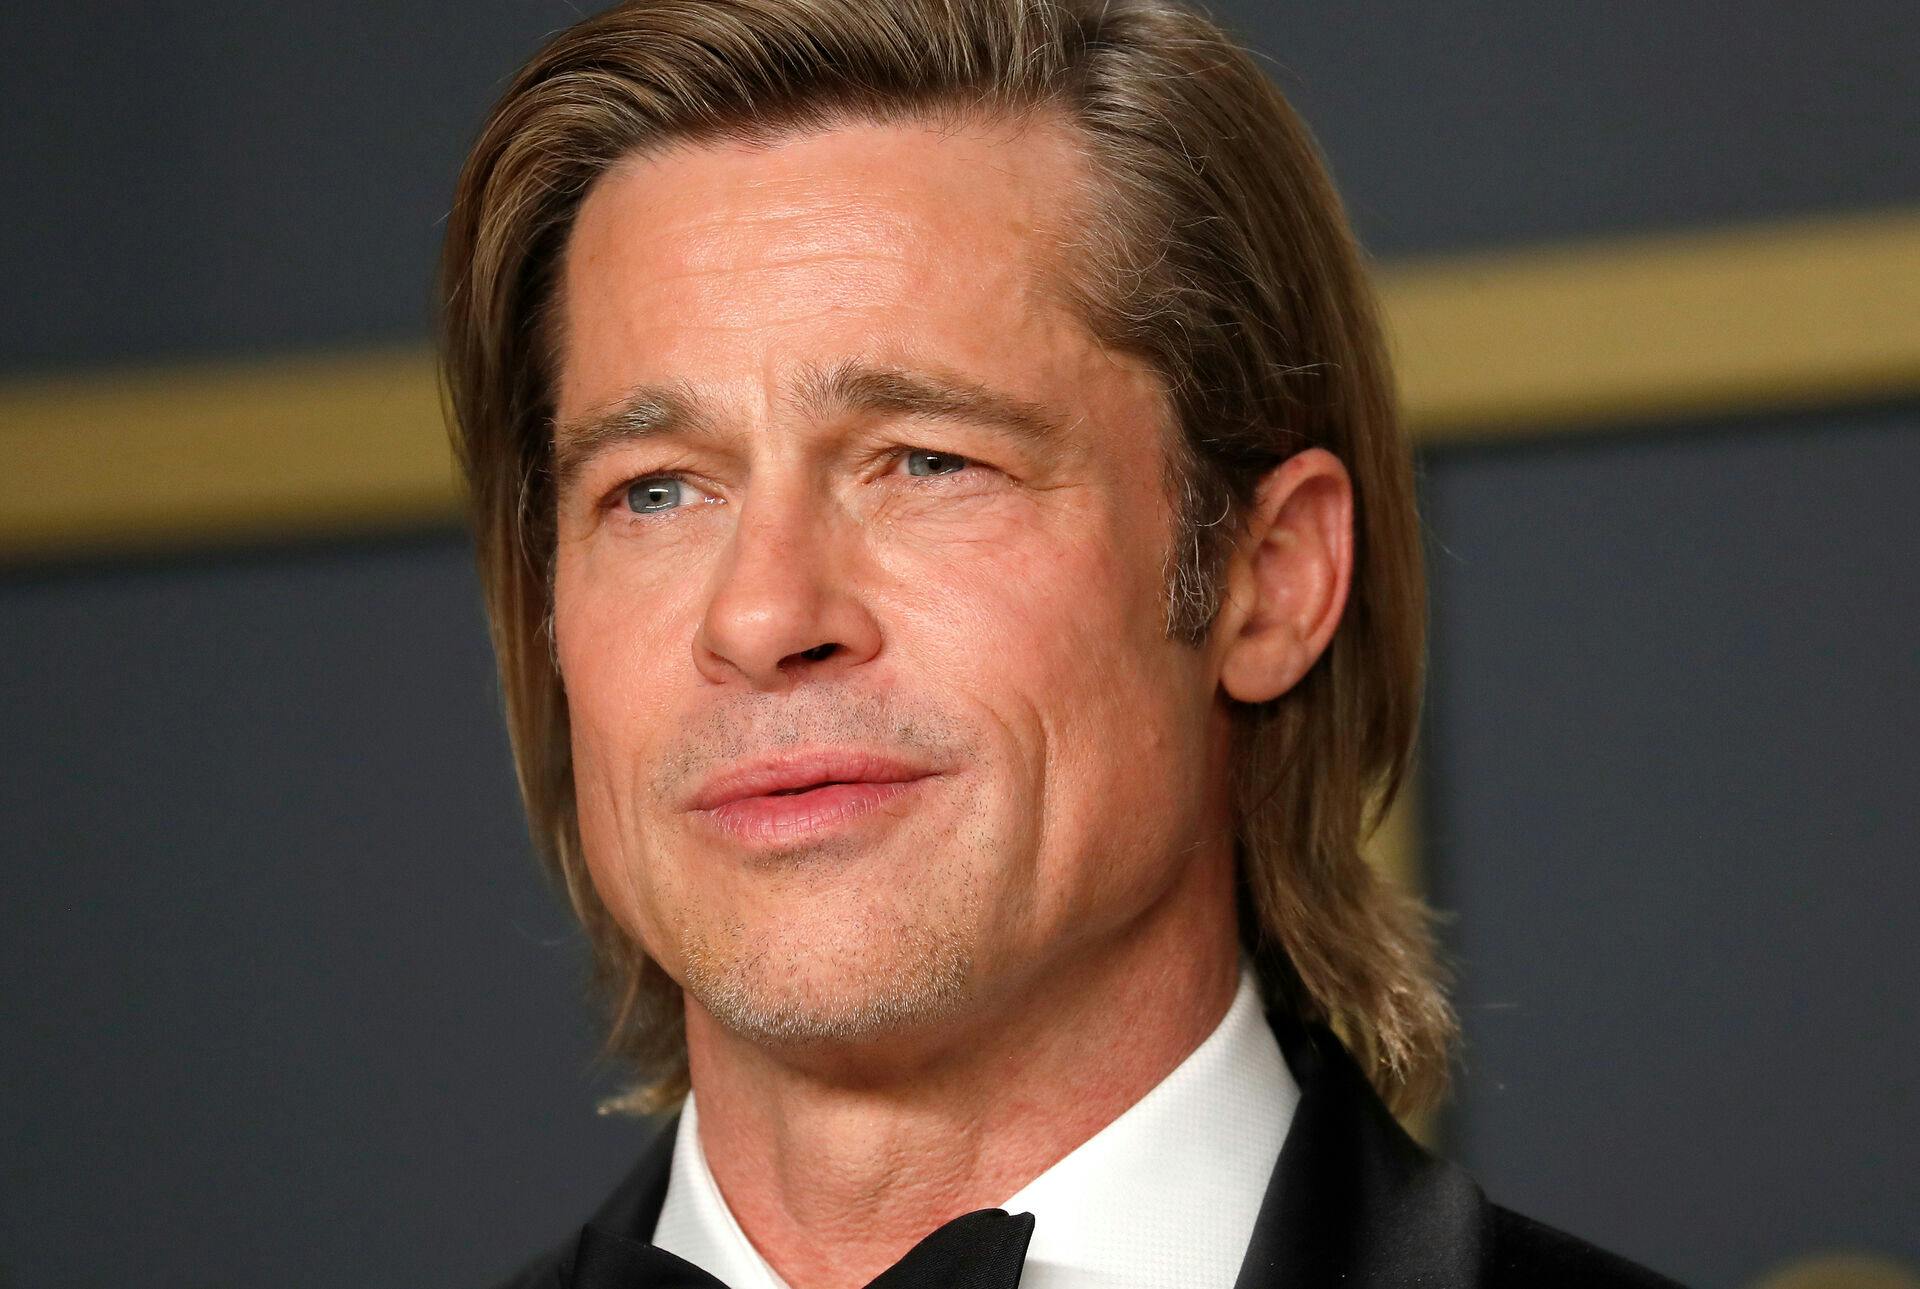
[(1120, 721), (1057, 625), (618, 612), (614, 629), (1127, 736)]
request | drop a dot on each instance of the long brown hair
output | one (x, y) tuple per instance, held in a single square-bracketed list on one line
[(1220, 254)]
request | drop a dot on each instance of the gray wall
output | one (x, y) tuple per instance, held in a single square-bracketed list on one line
[(232, 177), (1674, 807), (286, 1002)]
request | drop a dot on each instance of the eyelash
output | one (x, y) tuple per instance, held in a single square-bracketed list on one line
[(616, 500)]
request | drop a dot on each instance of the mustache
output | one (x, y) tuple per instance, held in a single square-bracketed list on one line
[(754, 725)]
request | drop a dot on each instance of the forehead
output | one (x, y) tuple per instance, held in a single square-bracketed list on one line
[(988, 182), (728, 261)]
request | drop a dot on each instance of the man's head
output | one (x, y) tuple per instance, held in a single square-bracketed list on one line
[(974, 405)]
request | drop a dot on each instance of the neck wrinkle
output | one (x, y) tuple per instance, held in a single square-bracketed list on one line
[(833, 1180)]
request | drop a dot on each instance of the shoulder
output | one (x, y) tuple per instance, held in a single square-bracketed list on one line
[(547, 1271), (1518, 1251), (1357, 1201), (631, 1210)]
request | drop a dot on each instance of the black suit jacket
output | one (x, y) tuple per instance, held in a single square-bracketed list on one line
[(1353, 1201)]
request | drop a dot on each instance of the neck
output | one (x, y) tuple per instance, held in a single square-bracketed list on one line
[(835, 1164)]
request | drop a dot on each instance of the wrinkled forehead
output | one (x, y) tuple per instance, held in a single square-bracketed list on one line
[(1000, 190), (958, 238)]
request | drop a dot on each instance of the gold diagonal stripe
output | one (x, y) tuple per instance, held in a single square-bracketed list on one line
[(1617, 332)]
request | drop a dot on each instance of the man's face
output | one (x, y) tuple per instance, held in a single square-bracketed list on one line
[(860, 584)]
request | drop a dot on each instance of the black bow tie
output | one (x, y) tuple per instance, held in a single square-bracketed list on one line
[(983, 1250)]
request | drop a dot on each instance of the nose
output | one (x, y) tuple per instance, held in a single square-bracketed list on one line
[(784, 605)]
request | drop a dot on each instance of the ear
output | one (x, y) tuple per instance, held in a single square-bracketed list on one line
[(1287, 579)]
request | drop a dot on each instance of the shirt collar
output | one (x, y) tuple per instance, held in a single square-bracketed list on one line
[(695, 1221), (1165, 1196)]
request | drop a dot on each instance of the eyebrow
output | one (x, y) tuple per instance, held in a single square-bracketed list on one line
[(853, 386), (849, 386), (647, 411)]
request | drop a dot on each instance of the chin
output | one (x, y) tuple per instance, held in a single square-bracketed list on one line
[(836, 979)]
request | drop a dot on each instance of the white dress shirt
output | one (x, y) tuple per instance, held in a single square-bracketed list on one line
[(1164, 1197)]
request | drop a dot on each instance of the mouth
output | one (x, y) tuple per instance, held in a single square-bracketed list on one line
[(801, 795), (798, 774)]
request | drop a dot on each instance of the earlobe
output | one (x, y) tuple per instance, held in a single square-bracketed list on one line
[(1287, 579)]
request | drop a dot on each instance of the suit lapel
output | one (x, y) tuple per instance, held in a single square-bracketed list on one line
[(1353, 1200), (633, 1209), (601, 1253)]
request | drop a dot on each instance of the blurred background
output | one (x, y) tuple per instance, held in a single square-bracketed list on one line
[(286, 1000)]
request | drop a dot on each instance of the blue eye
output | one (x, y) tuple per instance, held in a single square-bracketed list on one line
[(649, 496), (922, 462)]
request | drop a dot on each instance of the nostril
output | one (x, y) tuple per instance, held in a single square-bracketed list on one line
[(819, 652)]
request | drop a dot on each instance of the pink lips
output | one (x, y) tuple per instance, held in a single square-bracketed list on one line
[(792, 797)]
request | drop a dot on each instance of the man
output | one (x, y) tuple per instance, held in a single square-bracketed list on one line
[(956, 584)]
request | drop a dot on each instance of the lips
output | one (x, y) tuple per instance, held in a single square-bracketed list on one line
[(795, 774), (803, 797)]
